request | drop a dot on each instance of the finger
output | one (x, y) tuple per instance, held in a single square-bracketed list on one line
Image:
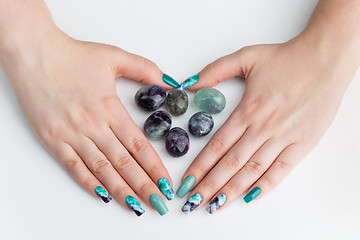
[(237, 64), (228, 166), (129, 170), (74, 165), (248, 174), (99, 165), (218, 145), (140, 149), (280, 168), (137, 68)]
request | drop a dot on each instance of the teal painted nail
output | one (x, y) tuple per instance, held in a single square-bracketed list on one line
[(170, 81), (252, 195), (166, 188), (157, 202), (134, 205), (103, 194), (192, 203), (186, 185), (216, 203), (188, 82)]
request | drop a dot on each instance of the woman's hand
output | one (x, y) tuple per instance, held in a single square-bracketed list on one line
[(66, 90), (292, 94)]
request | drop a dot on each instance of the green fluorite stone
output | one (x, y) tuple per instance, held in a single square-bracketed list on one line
[(210, 100), (177, 102)]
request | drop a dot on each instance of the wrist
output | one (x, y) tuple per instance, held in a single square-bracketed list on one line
[(337, 57), (28, 35)]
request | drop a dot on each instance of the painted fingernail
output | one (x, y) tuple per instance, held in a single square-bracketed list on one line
[(185, 186), (159, 204), (134, 205), (170, 81), (192, 203), (188, 82), (216, 203), (103, 194), (166, 188), (252, 195)]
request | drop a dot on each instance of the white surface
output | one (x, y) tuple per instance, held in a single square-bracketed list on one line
[(319, 200)]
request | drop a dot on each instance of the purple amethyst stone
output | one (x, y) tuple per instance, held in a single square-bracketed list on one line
[(200, 124), (177, 142), (157, 125), (150, 97)]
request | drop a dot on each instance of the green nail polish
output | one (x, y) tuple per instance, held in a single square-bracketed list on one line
[(157, 202), (166, 188), (103, 194), (186, 185), (134, 205), (252, 195), (188, 82), (170, 81)]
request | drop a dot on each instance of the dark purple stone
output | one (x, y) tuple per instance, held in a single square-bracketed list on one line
[(177, 142), (200, 124), (150, 97), (157, 125)]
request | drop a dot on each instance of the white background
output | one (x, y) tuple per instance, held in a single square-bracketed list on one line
[(319, 200)]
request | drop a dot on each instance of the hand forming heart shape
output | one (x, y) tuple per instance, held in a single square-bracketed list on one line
[(79, 118)]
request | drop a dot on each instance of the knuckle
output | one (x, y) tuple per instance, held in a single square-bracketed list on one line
[(207, 186), (119, 191), (150, 65), (146, 187), (153, 171), (199, 167), (216, 145), (267, 181), (111, 105), (49, 130), (88, 183), (253, 167), (233, 188), (139, 145), (231, 162), (100, 165), (281, 164), (122, 162), (70, 164)]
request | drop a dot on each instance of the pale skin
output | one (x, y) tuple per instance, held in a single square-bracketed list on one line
[(293, 91)]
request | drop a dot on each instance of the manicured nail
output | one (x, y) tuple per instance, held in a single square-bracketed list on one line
[(188, 82), (166, 188), (252, 195), (192, 203), (134, 205), (157, 202), (170, 81), (185, 186), (103, 194), (216, 203)]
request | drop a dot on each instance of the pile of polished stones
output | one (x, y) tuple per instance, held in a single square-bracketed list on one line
[(158, 124)]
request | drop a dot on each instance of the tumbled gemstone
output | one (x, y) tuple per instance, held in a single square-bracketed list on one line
[(150, 97), (157, 125), (177, 142), (210, 100), (177, 102), (200, 124)]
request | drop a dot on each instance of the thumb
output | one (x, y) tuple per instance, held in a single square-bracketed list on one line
[(138, 68), (237, 64)]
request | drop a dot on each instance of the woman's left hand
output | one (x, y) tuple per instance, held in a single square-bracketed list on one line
[(292, 94)]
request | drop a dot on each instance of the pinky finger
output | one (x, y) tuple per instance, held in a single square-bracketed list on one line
[(279, 169), (75, 166)]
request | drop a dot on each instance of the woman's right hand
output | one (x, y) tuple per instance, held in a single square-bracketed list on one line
[(66, 89)]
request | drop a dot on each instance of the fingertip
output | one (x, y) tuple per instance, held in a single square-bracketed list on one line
[(201, 83)]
